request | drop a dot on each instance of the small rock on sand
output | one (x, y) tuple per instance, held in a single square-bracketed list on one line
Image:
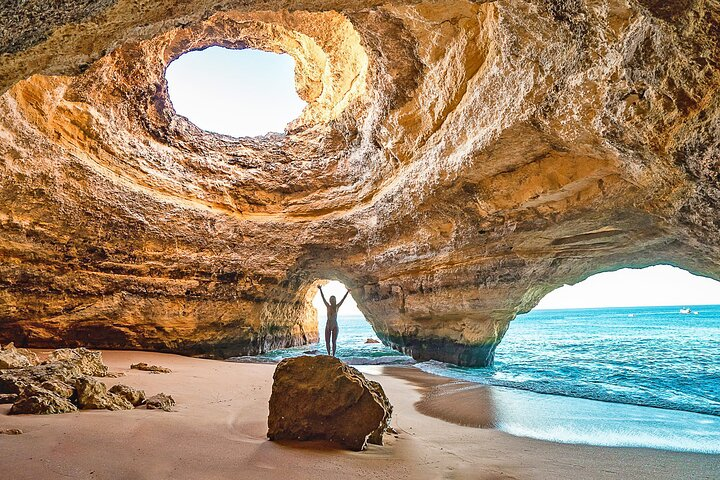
[(160, 402), (136, 397), (92, 394), (149, 368), (10, 431)]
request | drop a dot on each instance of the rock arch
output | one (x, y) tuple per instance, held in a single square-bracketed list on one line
[(457, 161)]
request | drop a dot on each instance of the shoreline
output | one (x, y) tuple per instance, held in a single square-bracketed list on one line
[(218, 430), (411, 364), (561, 418)]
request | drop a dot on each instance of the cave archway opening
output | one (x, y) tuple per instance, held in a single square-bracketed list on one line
[(646, 336), (655, 286), (240, 93), (357, 342), (354, 329)]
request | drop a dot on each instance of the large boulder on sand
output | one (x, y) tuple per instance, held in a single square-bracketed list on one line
[(136, 397), (322, 398)]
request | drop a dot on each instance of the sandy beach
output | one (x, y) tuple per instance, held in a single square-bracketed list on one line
[(218, 429)]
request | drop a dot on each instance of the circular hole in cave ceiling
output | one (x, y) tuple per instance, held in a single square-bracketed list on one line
[(241, 93)]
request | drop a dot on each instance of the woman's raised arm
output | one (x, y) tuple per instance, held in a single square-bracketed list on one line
[(323, 297), (343, 299)]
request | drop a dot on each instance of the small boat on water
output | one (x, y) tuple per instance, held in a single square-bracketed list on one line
[(685, 311)]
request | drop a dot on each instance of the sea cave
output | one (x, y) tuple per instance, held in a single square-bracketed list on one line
[(450, 162)]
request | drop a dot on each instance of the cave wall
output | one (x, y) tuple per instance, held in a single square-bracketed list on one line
[(456, 162)]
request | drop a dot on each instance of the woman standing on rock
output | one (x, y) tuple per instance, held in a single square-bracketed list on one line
[(331, 327)]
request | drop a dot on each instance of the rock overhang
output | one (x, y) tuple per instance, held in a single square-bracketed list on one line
[(456, 161)]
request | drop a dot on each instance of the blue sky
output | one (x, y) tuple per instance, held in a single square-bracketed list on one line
[(235, 92), (658, 285), (249, 92)]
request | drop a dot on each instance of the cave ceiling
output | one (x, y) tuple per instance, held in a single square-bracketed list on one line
[(456, 161)]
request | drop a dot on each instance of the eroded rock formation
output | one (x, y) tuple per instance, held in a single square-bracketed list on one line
[(456, 161), (65, 382), (322, 398), (11, 357), (160, 402)]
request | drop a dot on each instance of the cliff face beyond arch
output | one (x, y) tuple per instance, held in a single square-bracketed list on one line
[(456, 161)]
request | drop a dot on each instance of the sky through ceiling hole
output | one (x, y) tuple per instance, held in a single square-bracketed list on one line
[(241, 93)]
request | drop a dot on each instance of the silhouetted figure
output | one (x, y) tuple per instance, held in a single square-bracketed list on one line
[(331, 327)]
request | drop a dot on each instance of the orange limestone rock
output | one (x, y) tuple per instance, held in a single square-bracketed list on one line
[(456, 161)]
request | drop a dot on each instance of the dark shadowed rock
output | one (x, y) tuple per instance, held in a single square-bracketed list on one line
[(90, 362), (376, 437), (92, 394), (8, 398), (39, 401), (58, 387), (322, 398), (160, 402), (136, 397)]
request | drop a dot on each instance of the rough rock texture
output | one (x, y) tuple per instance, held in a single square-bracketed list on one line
[(89, 362), (39, 401), (92, 394), (456, 161), (14, 381), (11, 357), (376, 437), (59, 387), (135, 397), (8, 398), (62, 384), (160, 402), (322, 398)]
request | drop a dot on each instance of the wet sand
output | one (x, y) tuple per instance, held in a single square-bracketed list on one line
[(565, 419), (217, 431)]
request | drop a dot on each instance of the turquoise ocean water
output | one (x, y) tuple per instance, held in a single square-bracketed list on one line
[(641, 356)]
